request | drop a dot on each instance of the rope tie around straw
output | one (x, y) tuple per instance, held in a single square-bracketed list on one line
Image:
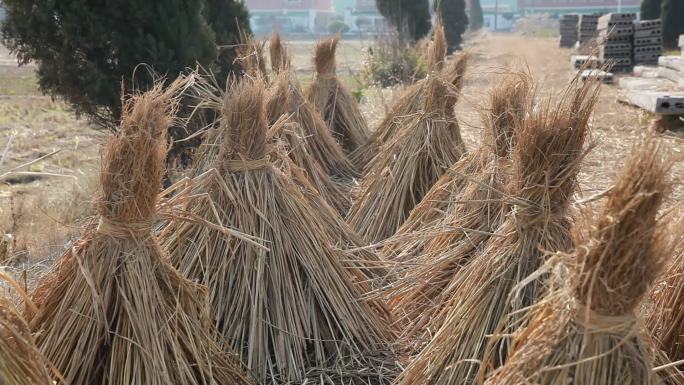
[(119, 229), (241, 165), (594, 322)]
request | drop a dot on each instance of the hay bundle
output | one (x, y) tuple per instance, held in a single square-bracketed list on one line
[(250, 56), (20, 361), (549, 146), (288, 99), (666, 319), (333, 100), (457, 216), (115, 311), (587, 331), (409, 103), (403, 172), (295, 310), (280, 59), (482, 173)]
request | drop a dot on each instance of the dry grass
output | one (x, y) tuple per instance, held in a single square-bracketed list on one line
[(294, 307), (587, 329), (334, 101), (424, 146), (546, 157), (114, 310)]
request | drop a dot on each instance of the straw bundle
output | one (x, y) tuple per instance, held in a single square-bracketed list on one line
[(115, 311), (666, 319), (333, 100), (294, 308), (20, 361), (549, 147), (250, 56), (280, 59), (403, 172), (288, 99), (410, 101), (587, 331), (482, 173), (457, 216)]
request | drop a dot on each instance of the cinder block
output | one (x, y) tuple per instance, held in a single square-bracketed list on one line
[(615, 16), (586, 61), (614, 55), (648, 33), (658, 102), (653, 49), (617, 31), (647, 24), (654, 40), (603, 76), (646, 58)]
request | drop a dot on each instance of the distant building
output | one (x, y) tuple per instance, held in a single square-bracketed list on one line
[(577, 6), (290, 15), (364, 16), (503, 11)]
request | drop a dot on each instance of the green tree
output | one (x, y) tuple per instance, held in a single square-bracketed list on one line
[(650, 9), (86, 50), (476, 18), (455, 21), (227, 18), (673, 21), (410, 17)]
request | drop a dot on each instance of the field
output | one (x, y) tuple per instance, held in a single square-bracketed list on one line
[(43, 209)]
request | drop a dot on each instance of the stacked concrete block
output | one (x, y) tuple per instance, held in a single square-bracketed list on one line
[(616, 34), (648, 41), (681, 44), (587, 28), (568, 30)]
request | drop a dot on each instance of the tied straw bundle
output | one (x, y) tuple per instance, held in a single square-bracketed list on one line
[(666, 319), (457, 217), (293, 308), (586, 330), (546, 157), (114, 311), (288, 99), (409, 103), (334, 101), (425, 146), (20, 361)]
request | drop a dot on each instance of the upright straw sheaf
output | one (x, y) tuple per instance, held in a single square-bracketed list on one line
[(665, 321), (114, 311), (406, 168), (550, 150), (459, 214), (132, 164), (324, 56), (629, 246), (244, 123), (280, 59), (334, 101), (288, 99), (437, 51), (586, 330), (293, 305), (456, 70), (491, 294), (250, 55), (20, 361)]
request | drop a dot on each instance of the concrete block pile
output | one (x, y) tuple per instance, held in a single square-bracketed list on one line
[(569, 30), (615, 35), (587, 29), (648, 41)]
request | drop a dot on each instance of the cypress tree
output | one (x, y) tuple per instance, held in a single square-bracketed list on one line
[(650, 9), (673, 21), (85, 50), (455, 21), (476, 17), (227, 18), (410, 17)]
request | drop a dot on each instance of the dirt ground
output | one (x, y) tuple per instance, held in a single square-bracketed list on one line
[(44, 212)]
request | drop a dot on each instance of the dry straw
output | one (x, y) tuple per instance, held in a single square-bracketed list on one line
[(20, 361), (546, 157), (334, 101), (405, 169), (288, 99), (409, 103), (250, 56), (666, 319), (459, 215), (293, 307), (586, 331), (114, 311)]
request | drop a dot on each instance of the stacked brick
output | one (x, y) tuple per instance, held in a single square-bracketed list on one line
[(615, 35), (648, 41), (569, 30), (587, 29)]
